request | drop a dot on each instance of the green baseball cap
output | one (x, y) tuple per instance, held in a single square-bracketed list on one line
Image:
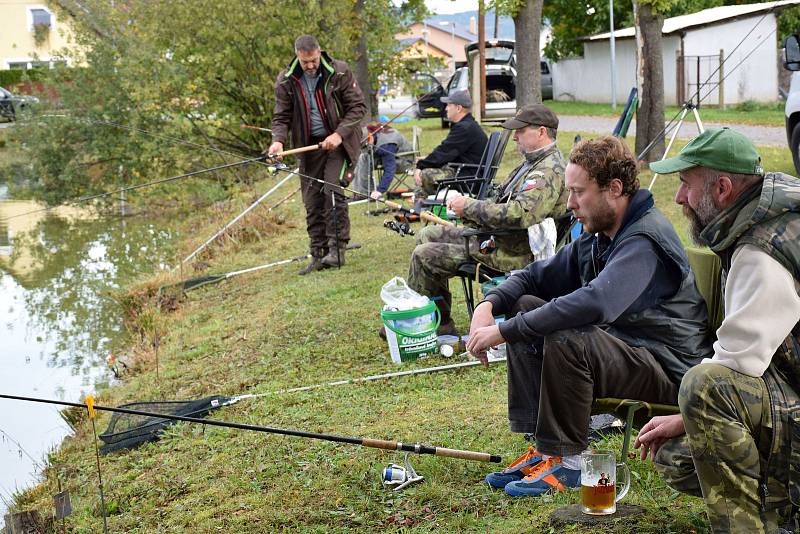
[(721, 149)]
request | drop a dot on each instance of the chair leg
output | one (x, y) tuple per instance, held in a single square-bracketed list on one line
[(626, 442), (468, 296)]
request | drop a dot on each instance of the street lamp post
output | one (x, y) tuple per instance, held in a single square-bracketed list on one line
[(613, 54), (452, 40)]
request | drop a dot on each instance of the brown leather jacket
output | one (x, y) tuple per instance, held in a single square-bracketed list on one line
[(339, 98)]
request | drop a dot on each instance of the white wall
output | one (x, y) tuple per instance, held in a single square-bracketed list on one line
[(588, 78), (756, 78)]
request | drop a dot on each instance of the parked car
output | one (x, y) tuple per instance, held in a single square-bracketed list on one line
[(12, 105), (791, 61), (501, 83)]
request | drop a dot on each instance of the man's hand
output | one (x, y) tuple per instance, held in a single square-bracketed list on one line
[(456, 203), (658, 431), (418, 177), (375, 195), (479, 331), (332, 141), (275, 148)]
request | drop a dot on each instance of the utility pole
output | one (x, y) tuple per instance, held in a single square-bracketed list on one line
[(613, 55), (482, 53)]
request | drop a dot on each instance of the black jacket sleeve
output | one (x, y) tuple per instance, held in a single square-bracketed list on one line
[(450, 149)]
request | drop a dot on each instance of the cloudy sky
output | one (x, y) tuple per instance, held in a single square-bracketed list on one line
[(446, 7)]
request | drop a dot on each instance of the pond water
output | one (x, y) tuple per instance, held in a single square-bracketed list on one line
[(58, 320)]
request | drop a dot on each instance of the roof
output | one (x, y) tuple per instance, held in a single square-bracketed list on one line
[(460, 31), (701, 18)]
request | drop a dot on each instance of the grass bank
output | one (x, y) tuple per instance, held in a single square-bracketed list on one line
[(272, 330)]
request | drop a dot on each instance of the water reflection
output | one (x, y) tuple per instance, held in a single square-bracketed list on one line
[(57, 317)]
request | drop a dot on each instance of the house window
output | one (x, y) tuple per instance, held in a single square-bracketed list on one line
[(18, 65), (41, 17)]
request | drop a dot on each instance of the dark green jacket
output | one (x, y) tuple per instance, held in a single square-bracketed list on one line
[(768, 217)]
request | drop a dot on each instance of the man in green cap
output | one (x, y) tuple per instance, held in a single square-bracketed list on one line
[(740, 409)]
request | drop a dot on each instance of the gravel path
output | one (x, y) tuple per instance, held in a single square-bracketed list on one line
[(760, 135)]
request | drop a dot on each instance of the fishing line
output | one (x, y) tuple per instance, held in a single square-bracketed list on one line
[(21, 448), (670, 125), (83, 199)]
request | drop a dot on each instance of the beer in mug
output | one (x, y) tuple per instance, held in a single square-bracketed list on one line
[(599, 482)]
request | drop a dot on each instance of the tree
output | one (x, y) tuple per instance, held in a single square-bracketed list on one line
[(527, 23), (157, 67), (527, 15), (650, 78)]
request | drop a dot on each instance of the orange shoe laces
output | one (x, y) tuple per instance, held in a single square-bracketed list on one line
[(542, 467)]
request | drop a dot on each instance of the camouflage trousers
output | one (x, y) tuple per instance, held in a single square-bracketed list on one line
[(435, 260), (429, 179), (728, 420)]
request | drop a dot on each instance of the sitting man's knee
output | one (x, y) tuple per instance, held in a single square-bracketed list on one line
[(429, 234), (526, 303), (698, 382), (674, 463)]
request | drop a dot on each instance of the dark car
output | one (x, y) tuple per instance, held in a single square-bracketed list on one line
[(12, 105)]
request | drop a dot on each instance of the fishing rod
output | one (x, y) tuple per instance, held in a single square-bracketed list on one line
[(259, 128), (194, 283), (235, 220), (364, 442), (83, 199)]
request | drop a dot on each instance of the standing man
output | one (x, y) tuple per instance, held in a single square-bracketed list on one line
[(533, 191), (465, 144), (613, 314), (319, 100), (740, 409)]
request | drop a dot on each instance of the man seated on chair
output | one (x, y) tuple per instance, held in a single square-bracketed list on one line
[(739, 409), (464, 144), (394, 153), (615, 313), (532, 192)]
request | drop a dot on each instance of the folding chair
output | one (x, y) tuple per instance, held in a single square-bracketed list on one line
[(399, 185), (706, 267), (478, 182)]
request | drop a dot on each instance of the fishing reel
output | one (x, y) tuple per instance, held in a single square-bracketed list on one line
[(397, 478), (275, 166), (488, 246), (402, 227)]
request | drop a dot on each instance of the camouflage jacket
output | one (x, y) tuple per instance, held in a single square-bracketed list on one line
[(533, 191), (768, 217)]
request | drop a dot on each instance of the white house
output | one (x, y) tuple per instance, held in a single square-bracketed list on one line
[(693, 47)]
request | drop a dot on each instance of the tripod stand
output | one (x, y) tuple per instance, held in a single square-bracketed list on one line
[(687, 106)]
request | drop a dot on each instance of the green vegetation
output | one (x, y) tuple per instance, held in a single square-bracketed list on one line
[(745, 113), (273, 330)]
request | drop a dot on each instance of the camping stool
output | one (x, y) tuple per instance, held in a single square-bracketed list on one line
[(627, 408)]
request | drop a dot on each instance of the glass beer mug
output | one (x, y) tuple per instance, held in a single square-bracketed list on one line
[(599, 482)]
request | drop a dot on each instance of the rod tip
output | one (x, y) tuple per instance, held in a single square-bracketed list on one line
[(495, 459)]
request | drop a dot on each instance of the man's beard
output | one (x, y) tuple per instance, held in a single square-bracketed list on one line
[(700, 218), (601, 221)]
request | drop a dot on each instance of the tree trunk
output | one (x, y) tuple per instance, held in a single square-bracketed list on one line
[(650, 78), (361, 67), (527, 23)]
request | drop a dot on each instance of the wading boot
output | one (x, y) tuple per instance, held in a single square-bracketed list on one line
[(334, 258), (314, 265)]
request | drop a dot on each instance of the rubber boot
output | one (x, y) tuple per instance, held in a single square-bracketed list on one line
[(314, 265), (334, 258)]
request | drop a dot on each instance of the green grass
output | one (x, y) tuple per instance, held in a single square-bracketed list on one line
[(745, 113), (273, 330)]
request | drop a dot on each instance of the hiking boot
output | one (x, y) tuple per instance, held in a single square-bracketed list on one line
[(447, 328), (547, 475), (517, 470), (314, 265), (334, 259)]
